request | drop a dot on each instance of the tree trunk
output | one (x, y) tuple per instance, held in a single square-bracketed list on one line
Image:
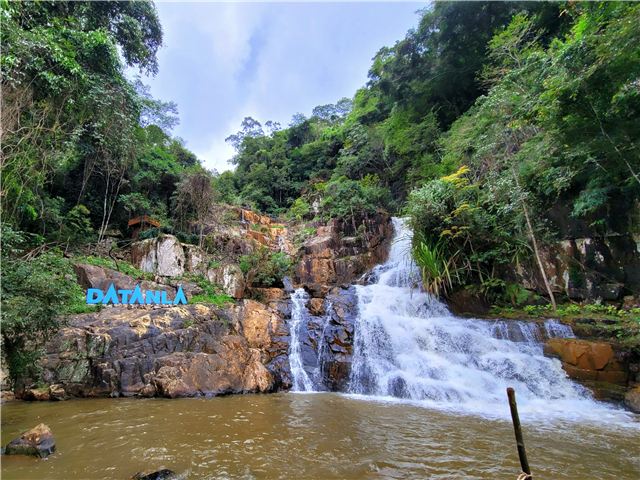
[(535, 245)]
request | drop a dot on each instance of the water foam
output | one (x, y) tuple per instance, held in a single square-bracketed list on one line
[(408, 347)]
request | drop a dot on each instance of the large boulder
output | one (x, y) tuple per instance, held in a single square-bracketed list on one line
[(589, 361), (91, 276), (162, 256), (186, 350), (235, 370), (229, 277), (170, 257), (37, 442)]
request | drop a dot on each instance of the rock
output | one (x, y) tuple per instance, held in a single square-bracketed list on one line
[(170, 257), (36, 395), (322, 246), (163, 256), (329, 259), (316, 306), (148, 352), (317, 290), (630, 302), (90, 276), (589, 361), (56, 392), (162, 474), (259, 237), (229, 277), (581, 353), (268, 294), (254, 218), (632, 399), (194, 374), (7, 397), (255, 320), (467, 302), (37, 442)]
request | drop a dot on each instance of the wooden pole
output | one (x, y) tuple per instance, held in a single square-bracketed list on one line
[(524, 463)]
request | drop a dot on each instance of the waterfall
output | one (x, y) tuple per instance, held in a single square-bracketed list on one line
[(408, 345), (318, 373), (299, 377)]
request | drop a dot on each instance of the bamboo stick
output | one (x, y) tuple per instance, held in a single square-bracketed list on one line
[(524, 463)]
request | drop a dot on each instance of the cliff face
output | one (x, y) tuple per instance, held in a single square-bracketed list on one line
[(193, 350), (337, 255), (585, 268), (172, 352)]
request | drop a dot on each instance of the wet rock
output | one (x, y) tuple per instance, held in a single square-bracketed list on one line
[(467, 302), (317, 290), (581, 353), (36, 395), (589, 361), (7, 397), (56, 392), (316, 306), (37, 442), (632, 399), (162, 474)]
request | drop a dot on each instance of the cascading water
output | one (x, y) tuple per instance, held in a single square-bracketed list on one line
[(318, 373), (408, 345), (299, 377)]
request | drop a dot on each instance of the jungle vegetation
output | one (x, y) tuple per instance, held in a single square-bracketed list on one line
[(492, 125)]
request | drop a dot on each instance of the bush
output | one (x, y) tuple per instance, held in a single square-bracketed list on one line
[(264, 268)]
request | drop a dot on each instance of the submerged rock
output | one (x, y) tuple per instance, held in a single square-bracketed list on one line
[(162, 474), (37, 442)]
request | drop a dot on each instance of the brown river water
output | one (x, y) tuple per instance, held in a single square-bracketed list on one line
[(312, 436)]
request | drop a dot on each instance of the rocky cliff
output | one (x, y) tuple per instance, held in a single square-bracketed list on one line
[(181, 351), (202, 349)]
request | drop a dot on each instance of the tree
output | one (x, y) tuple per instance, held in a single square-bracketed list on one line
[(195, 196), (36, 295)]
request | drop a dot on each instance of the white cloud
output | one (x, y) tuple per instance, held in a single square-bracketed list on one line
[(225, 61)]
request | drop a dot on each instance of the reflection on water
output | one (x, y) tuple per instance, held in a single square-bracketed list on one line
[(309, 436)]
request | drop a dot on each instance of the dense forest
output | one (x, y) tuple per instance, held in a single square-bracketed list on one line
[(491, 124)]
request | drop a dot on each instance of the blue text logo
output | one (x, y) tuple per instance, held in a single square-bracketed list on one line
[(130, 297)]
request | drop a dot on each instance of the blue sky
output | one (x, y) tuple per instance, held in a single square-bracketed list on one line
[(224, 61)]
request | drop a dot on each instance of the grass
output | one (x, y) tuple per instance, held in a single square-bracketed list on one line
[(125, 267), (210, 294)]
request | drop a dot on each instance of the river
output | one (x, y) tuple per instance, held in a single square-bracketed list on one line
[(311, 436)]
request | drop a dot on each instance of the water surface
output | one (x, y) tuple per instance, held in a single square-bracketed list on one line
[(311, 436)]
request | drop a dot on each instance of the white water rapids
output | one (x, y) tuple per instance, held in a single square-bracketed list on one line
[(408, 347)]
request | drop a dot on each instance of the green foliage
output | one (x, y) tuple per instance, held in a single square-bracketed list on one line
[(265, 268), (37, 293), (124, 267), (210, 295), (434, 268), (299, 209)]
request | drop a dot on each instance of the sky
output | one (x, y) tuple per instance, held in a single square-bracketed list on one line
[(222, 62)]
